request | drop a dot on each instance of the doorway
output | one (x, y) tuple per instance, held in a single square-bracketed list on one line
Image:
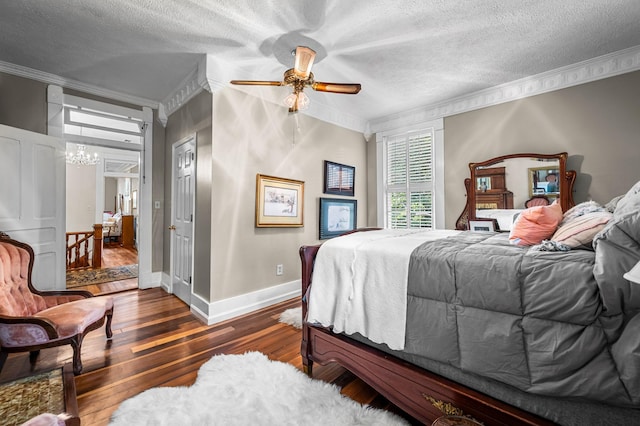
[(102, 193)]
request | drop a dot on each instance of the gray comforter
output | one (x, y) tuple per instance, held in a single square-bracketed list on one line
[(543, 322)]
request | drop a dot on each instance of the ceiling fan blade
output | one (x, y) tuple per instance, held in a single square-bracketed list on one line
[(257, 83), (346, 88), (304, 62)]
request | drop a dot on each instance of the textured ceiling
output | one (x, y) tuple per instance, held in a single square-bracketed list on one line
[(405, 54)]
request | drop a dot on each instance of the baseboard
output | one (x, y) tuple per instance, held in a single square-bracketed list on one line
[(221, 310), (149, 280), (165, 282)]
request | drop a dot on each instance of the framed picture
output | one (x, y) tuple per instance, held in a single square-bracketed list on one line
[(339, 179), (483, 225), (337, 216), (279, 202)]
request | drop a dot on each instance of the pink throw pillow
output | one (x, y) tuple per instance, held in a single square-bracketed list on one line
[(536, 224)]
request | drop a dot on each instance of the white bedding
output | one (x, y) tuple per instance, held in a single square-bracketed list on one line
[(359, 283), (505, 217)]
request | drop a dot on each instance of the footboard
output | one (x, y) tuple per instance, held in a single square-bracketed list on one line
[(420, 393)]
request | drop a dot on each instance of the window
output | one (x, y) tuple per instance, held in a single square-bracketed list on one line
[(91, 122), (408, 179)]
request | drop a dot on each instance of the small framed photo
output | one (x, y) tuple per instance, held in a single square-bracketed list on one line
[(483, 225), (339, 179), (337, 216), (279, 202)]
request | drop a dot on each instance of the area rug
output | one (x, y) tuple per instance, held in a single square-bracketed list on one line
[(292, 317), (22, 399), (84, 277), (249, 389)]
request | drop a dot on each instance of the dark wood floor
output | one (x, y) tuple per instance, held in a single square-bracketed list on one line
[(158, 342)]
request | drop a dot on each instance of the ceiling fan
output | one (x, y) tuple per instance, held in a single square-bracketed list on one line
[(301, 76)]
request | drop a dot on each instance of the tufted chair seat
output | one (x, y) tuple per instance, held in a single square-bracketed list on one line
[(31, 320)]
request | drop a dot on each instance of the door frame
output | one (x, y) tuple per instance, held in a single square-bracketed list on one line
[(190, 139), (55, 127)]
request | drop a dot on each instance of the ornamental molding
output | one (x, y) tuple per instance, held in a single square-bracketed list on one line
[(210, 74), (610, 65), (206, 75), (48, 78)]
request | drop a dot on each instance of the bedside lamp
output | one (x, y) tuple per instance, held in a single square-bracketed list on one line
[(634, 274)]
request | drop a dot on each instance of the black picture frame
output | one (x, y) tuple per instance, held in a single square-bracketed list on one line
[(337, 216), (339, 179)]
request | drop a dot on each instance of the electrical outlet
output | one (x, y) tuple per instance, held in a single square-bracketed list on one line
[(279, 269)]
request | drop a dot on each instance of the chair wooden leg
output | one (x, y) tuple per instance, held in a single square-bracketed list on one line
[(76, 344), (107, 327), (3, 358)]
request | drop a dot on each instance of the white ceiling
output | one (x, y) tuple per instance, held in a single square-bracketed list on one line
[(406, 54)]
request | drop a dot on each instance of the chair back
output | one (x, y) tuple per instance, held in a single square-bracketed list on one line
[(16, 264), (538, 200)]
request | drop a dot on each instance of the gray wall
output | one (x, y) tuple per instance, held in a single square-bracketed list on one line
[(251, 137), (157, 194), (193, 117), (23, 103), (597, 124)]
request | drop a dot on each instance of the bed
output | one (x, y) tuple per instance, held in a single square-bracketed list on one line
[(504, 334)]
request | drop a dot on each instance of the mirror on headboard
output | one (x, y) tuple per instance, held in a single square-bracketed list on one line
[(504, 185)]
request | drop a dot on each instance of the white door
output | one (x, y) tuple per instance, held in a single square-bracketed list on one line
[(182, 207), (32, 200)]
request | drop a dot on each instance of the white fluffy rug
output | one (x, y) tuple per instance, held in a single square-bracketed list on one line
[(249, 389), (292, 317)]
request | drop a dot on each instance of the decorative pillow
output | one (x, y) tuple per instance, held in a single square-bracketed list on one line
[(581, 230), (611, 205), (535, 224), (580, 209), (617, 249), (628, 203)]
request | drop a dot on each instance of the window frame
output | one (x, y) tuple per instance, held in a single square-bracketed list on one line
[(435, 186)]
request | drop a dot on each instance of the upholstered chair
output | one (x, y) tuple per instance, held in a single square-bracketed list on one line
[(31, 320), (537, 200)]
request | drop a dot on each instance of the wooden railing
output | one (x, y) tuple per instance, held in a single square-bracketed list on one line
[(84, 249)]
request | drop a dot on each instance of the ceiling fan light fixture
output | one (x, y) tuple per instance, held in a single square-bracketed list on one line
[(299, 77), (304, 62), (297, 101)]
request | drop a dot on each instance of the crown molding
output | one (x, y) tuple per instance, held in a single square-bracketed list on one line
[(612, 64), (66, 83), (201, 78), (210, 75), (187, 89)]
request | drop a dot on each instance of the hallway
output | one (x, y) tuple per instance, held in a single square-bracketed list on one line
[(114, 255)]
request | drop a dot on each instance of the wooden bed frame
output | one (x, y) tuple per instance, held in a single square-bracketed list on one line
[(421, 394)]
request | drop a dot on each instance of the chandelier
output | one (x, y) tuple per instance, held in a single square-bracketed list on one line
[(82, 158)]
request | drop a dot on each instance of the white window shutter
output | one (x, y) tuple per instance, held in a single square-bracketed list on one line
[(409, 180)]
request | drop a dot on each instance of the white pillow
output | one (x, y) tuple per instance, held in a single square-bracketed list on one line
[(580, 209)]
